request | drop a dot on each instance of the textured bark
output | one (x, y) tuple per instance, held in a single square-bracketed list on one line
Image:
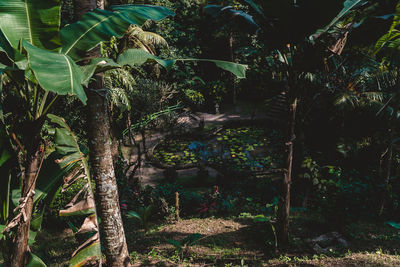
[(284, 200), (102, 171), (386, 190), (101, 163), (177, 217), (233, 60), (83, 6), (19, 254)]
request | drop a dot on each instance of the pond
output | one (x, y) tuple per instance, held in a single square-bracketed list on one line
[(249, 148)]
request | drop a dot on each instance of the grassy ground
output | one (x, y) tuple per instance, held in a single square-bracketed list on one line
[(241, 242), (238, 242)]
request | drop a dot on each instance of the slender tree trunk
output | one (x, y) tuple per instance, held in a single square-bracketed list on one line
[(233, 60), (102, 171), (388, 173), (284, 200), (101, 164), (20, 249)]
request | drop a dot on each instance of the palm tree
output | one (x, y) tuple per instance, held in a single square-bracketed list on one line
[(101, 163)]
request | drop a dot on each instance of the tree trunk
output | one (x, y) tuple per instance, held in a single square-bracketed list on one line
[(386, 190), (102, 171), (19, 255), (101, 164), (233, 60), (284, 200)]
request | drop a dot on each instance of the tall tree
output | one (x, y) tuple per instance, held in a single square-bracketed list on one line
[(100, 159), (290, 23)]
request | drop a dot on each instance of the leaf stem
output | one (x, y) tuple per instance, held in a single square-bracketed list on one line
[(49, 105), (40, 112)]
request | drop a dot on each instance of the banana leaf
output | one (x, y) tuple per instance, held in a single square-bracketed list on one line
[(348, 6), (35, 21), (100, 25), (133, 57), (97, 65), (2, 227), (35, 261), (86, 254), (74, 157), (55, 72)]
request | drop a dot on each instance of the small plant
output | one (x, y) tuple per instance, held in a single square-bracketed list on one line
[(142, 216), (394, 225), (272, 209), (182, 247)]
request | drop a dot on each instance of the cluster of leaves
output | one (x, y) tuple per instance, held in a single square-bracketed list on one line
[(175, 152), (339, 194), (244, 148)]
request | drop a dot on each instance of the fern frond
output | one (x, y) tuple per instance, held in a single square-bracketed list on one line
[(146, 37), (345, 99)]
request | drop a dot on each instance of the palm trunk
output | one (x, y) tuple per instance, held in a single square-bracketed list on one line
[(102, 171), (284, 200), (20, 249), (101, 163)]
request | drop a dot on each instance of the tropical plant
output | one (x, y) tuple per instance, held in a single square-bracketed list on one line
[(142, 216), (72, 158), (230, 19), (182, 247), (289, 64), (37, 51), (394, 225), (270, 219), (7, 180)]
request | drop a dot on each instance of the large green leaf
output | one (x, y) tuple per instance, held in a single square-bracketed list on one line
[(90, 252), (66, 143), (100, 25), (80, 209), (256, 8), (134, 215), (97, 65), (35, 261), (385, 39), (2, 227), (32, 237), (36, 221), (56, 72), (35, 21), (72, 157), (394, 225), (232, 16), (50, 178), (138, 57), (5, 146), (75, 158), (390, 38), (348, 6)]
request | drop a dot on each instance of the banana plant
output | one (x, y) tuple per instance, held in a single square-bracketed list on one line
[(48, 180), (7, 180), (40, 61), (73, 159)]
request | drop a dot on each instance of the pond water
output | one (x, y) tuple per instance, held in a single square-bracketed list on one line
[(244, 148)]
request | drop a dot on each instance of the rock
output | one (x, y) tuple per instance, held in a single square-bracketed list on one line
[(328, 243)]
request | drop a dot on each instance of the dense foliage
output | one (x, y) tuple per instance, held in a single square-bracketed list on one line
[(319, 105)]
